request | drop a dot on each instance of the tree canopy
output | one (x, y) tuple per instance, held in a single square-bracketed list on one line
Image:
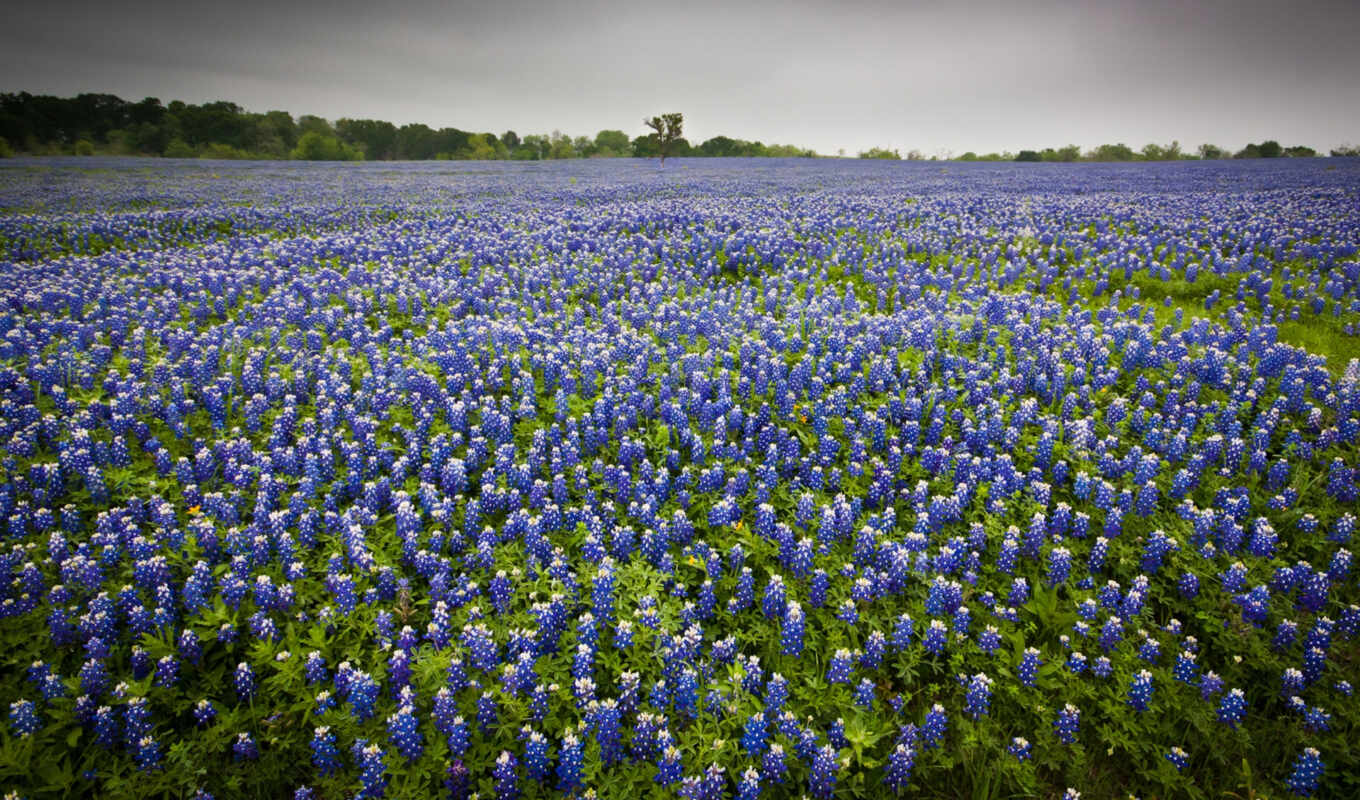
[(93, 123), (666, 131)]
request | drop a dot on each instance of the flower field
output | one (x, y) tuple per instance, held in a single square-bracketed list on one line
[(737, 479)]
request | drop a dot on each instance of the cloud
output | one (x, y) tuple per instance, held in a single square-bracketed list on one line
[(924, 74)]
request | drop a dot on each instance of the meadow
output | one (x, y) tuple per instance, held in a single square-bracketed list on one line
[(739, 478)]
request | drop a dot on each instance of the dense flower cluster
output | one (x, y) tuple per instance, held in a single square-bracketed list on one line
[(510, 481)]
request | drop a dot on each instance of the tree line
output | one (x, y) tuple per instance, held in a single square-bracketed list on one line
[(107, 124), (1122, 152), (104, 123)]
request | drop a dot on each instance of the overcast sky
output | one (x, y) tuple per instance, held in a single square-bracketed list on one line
[(933, 75)]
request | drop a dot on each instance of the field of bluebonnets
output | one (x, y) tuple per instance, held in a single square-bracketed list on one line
[(736, 479)]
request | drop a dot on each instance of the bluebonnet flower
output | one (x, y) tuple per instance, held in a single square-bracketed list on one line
[(1232, 708), (1308, 768), (105, 727), (1059, 565), (245, 748), (147, 754), (978, 696), (1140, 690), (668, 770), (753, 734), (836, 733), (23, 718), (875, 648), (314, 668), (244, 681), (864, 693), (989, 641), (934, 727), (506, 777), (822, 778), (569, 764), (772, 766), (204, 712), (373, 776), (1317, 720), (1150, 650), (1020, 748), (405, 733), (1188, 585), (838, 671), (936, 638), (1185, 669), (1291, 682), (793, 631), (901, 761), (1067, 724), (902, 632), (324, 754), (1178, 758), (487, 714), (362, 692), (1210, 685), (1111, 633), (817, 591), (606, 721), (772, 602), (748, 788), (1028, 671)]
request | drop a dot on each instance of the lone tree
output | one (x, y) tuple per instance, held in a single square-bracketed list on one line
[(666, 129)]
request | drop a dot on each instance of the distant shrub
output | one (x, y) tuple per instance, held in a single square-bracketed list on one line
[(1028, 155), (84, 147), (223, 151), (5, 150), (178, 148), (315, 146)]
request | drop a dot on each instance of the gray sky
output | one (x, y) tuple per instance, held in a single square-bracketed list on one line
[(927, 74)]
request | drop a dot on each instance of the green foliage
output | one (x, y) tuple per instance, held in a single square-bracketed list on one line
[(481, 147), (1063, 154), (726, 147), (666, 130), (317, 146), (1155, 152), (560, 146), (971, 156), (178, 148), (645, 147), (1272, 149), (610, 143), (1028, 155), (5, 150), (104, 123), (224, 151), (1111, 152), (377, 139)]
